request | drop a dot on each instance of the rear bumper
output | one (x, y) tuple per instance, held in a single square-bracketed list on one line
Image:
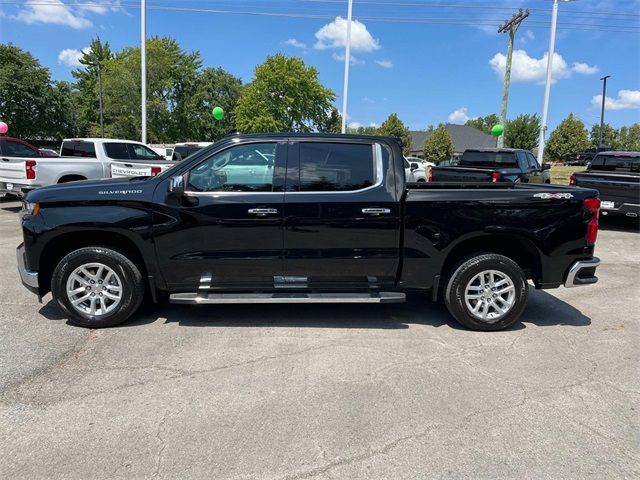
[(626, 209), (18, 189), (29, 278), (582, 272)]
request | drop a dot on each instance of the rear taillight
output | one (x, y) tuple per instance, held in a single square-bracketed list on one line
[(430, 175), (573, 180), (30, 169), (155, 171), (495, 176), (592, 206), (578, 157)]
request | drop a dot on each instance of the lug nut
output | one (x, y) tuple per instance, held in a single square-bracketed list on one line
[(93, 294)]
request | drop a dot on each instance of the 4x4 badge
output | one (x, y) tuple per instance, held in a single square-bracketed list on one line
[(555, 196)]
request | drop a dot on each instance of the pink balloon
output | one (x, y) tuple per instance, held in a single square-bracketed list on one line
[(4, 128)]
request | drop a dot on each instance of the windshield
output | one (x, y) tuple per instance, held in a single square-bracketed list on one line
[(491, 159)]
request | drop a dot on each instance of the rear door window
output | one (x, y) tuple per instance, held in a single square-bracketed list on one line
[(533, 163), (335, 167)]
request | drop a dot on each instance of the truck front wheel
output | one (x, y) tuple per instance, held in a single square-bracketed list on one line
[(97, 287), (487, 292)]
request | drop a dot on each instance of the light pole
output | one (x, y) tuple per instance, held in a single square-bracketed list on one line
[(97, 65), (347, 61), (604, 99), (547, 87), (143, 66)]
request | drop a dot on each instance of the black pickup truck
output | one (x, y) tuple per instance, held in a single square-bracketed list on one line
[(616, 175), (494, 165), (303, 218)]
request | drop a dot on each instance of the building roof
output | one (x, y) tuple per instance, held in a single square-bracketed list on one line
[(463, 137)]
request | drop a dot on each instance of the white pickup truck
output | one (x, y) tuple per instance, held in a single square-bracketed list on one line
[(80, 159)]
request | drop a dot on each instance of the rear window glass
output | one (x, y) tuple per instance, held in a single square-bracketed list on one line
[(616, 163), (185, 151), (78, 149), (488, 158), (331, 167)]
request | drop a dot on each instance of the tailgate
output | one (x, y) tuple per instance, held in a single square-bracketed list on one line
[(614, 187), (460, 174), (12, 170)]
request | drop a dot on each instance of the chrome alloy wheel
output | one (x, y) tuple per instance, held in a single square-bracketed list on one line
[(94, 289), (490, 295)]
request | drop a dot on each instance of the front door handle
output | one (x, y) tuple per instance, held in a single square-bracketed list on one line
[(262, 212), (376, 211)]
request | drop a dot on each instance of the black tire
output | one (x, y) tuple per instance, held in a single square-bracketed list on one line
[(132, 286), (461, 276)]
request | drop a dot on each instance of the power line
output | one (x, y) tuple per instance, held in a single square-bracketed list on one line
[(586, 27)]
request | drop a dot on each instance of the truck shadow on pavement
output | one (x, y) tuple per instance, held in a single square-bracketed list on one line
[(543, 310)]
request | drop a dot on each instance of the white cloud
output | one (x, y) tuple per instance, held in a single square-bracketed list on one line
[(334, 35), (71, 57), (355, 125), (295, 43), (527, 37), (353, 60), (459, 117), (51, 11), (584, 69), (627, 100), (99, 7), (385, 63)]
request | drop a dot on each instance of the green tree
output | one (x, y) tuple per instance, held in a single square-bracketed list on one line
[(484, 124), (629, 138), (570, 136), (213, 87), (522, 132), (25, 92), (86, 100), (285, 95), (62, 111), (393, 127), (170, 73), (438, 146), (363, 130), (609, 138), (333, 122)]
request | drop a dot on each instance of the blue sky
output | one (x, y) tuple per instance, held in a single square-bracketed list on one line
[(430, 61)]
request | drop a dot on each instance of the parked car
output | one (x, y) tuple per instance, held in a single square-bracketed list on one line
[(135, 160), (332, 220), (184, 149), (413, 171), (422, 162), (80, 159), (494, 165), (583, 158), (47, 152), (616, 175)]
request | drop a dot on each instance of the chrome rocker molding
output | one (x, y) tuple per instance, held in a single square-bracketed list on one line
[(573, 280), (218, 298)]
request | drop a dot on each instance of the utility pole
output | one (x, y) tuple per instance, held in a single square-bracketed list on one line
[(347, 61), (604, 99), (100, 100), (143, 66), (510, 27), (547, 87)]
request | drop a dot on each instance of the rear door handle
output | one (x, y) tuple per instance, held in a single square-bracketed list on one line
[(376, 211), (262, 212)]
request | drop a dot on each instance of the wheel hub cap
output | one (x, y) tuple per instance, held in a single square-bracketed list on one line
[(94, 289), (490, 295)]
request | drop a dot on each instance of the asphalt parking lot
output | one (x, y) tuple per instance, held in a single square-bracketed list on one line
[(325, 392)]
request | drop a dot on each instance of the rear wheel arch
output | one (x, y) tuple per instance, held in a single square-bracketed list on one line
[(71, 178), (519, 249)]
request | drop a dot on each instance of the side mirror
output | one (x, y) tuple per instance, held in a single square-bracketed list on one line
[(414, 166), (176, 186), (546, 166)]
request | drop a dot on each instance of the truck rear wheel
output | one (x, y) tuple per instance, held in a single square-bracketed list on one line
[(487, 292), (97, 287)]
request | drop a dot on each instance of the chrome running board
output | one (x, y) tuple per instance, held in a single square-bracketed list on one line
[(220, 298)]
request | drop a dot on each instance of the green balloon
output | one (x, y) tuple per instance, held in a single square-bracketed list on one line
[(497, 130), (218, 113)]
